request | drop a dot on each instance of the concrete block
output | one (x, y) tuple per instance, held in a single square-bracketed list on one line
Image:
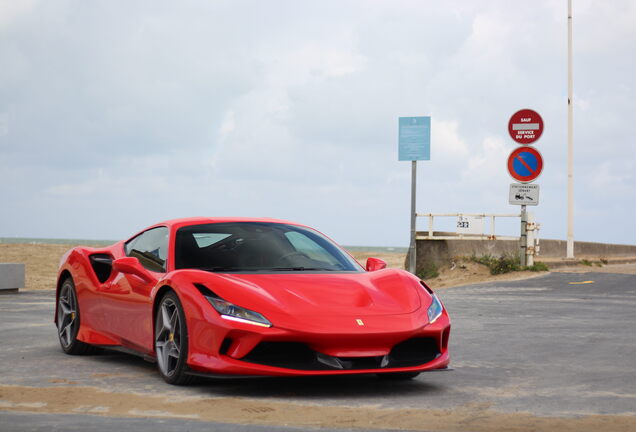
[(11, 277)]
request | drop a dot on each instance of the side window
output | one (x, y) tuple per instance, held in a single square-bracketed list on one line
[(150, 248)]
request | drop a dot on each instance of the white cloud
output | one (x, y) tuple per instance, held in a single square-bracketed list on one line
[(488, 162), (4, 124), (613, 178), (446, 137), (291, 111), (227, 126), (11, 10), (329, 63)]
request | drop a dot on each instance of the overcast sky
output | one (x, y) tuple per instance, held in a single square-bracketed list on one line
[(118, 114)]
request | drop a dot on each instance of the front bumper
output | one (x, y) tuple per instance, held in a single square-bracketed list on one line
[(401, 345)]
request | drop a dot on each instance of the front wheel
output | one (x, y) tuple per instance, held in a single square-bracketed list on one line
[(68, 321), (171, 340)]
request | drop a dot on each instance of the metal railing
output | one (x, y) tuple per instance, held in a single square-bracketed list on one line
[(483, 236)]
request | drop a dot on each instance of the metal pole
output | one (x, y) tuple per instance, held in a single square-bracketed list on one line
[(570, 242), (530, 249), (412, 248), (523, 240)]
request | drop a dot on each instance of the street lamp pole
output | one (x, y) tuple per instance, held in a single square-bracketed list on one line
[(570, 240)]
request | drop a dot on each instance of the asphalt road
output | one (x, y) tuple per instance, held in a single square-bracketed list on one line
[(560, 345)]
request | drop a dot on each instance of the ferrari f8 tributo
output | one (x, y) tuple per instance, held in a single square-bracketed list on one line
[(238, 296)]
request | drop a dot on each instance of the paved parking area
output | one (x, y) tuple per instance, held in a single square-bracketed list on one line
[(558, 348)]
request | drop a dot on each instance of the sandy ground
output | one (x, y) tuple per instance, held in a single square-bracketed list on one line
[(42, 261), (471, 417)]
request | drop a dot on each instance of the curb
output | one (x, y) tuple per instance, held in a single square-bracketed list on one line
[(577, 262)]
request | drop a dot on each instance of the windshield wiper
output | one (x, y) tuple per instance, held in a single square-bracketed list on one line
[(262, 269), (221, 269)]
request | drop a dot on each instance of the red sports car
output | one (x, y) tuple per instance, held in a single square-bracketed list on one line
[(238, 296)]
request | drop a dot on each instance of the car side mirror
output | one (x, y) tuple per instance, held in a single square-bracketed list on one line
[(132, 266), (374, 264)]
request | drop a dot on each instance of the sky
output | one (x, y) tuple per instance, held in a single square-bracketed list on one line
[(115, 115)]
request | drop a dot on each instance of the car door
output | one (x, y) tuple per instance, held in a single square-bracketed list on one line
[(127, 304)]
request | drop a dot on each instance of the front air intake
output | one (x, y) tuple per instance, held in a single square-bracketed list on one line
[(298, 356)]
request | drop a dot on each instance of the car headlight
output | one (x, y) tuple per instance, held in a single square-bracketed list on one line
[(435, 309), (232, 312)]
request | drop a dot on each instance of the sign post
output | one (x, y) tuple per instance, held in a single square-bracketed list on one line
[(413, 235), (525, 165), (414, 143), (523, 238)]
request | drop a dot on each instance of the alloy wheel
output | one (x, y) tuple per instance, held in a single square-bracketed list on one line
[(67, 320), (168, 337)]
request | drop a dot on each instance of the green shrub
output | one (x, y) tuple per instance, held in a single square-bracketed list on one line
[(429, 271), (538, 266), (484, 259), (586, 262), (506, 264), (503, 264)]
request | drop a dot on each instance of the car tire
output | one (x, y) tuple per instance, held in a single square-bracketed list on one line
[(171, 340), (398, 376), (67, 321)]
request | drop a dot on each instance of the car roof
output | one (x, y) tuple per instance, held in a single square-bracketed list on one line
[(181, 222)]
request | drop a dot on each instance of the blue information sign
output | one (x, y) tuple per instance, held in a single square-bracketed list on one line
[(414, 138)]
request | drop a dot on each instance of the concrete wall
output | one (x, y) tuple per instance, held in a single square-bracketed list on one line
[(11, 277), (556, 248), (441, 252)]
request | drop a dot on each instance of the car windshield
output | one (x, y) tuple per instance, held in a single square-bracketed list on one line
[(258, 247)]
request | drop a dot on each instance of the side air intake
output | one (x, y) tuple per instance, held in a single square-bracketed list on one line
[(102, 265)]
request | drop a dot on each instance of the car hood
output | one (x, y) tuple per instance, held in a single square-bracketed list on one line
[(383, 292)]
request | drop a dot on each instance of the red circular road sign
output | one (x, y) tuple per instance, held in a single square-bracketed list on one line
[(525, 126), (525, 164)]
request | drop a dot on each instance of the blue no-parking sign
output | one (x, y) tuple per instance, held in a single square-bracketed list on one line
[(414, 138), (525, 164)]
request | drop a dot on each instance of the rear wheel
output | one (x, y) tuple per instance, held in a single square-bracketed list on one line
[(68, 321), (171, 340), (398, 376)]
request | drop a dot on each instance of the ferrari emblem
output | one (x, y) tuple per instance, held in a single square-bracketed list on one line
[(171, 337), (360, 322)]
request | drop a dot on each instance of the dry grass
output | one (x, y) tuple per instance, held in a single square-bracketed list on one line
[(41, 260)]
